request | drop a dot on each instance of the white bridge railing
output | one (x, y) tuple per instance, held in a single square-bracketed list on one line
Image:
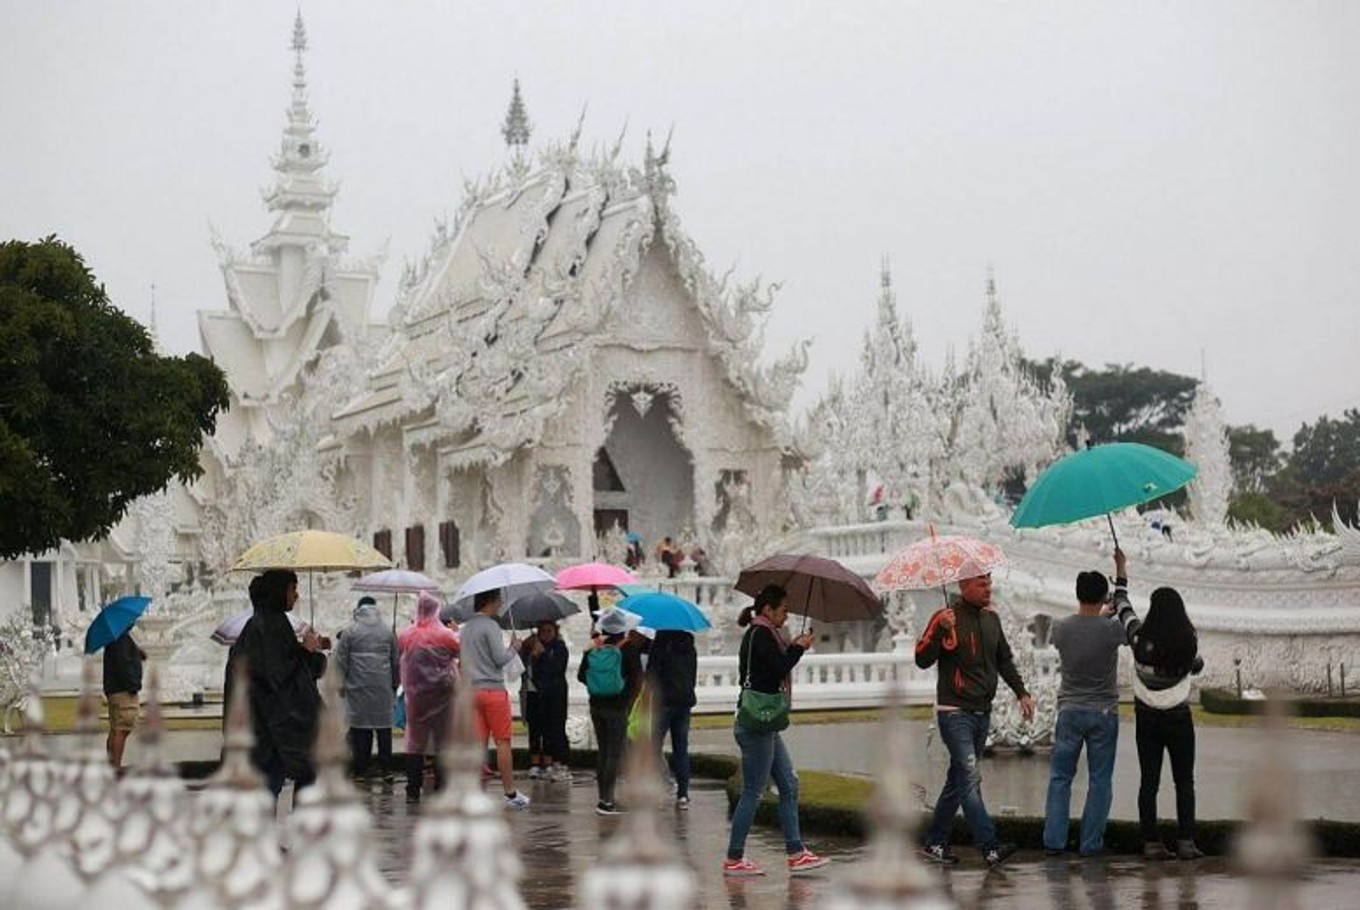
[(820, 681)]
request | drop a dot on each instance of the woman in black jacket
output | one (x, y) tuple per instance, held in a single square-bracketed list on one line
[(766, 660), (545, 702), (612, 672), (1165, 656), (672, 667), (284, 701)]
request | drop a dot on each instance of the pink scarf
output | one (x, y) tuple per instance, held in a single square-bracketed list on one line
[(783, 644)]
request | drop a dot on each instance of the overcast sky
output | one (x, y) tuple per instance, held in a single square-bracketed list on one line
[(1168, 184)]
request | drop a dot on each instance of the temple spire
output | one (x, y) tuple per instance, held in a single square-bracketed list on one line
[(516, 127), (300, 194)]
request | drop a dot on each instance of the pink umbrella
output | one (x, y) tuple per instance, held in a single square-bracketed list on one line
[(589, 576), (937, 561)]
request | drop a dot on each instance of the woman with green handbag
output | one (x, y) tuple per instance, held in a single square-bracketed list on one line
[(766, 660)]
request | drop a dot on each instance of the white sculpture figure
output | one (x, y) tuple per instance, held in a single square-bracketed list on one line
[(1009, 728), (25, 646), (233, 838), (999, 400), (83, 821), (892, 877), (332, 864), (151, 862), (640, 865), (30, 803), (1206, 446), (462, 854)]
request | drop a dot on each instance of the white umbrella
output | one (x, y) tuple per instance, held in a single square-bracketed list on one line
[(394, 582), (230, 629), (513, 579)]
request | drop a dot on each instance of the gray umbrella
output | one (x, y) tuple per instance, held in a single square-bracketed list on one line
[(523, 612)]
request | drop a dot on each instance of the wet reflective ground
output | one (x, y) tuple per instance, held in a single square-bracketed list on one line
[(1327, 766), (559, 837)]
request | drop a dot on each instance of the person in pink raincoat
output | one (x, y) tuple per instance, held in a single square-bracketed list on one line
[(428, 650)]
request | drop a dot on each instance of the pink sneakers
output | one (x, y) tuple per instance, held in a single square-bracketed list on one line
[(741, 867), (805, 862)]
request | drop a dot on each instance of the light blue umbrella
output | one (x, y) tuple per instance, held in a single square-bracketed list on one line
[(665, 612), (113, 620)]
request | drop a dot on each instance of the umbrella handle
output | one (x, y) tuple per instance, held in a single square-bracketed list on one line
[(1110, 519)]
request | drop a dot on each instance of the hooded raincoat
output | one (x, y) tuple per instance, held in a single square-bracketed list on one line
[(428, 649), (367, 658)]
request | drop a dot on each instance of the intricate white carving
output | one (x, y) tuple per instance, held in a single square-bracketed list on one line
[(1206, 446)]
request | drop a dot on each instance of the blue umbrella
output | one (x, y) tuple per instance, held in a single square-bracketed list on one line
[(113, 620), (665, 612)]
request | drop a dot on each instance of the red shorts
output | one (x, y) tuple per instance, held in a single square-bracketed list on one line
[(492, 710)]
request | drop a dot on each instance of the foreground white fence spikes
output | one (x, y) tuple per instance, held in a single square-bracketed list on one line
[(152, 862), (641, 865), (233, 838), (1272, 849), (30, 794), (85, 816), (332, 864), (463, 855), (892, 877)]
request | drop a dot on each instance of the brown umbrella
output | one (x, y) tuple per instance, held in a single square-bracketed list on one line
[(820, 588)]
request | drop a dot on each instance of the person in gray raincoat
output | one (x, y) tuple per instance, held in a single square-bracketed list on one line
[(366, 656)]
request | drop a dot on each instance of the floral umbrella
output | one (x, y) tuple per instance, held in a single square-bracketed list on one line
[(938, 560)]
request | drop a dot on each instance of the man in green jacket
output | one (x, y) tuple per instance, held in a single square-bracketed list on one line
[(966, 641)]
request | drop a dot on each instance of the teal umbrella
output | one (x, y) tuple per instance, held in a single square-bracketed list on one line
[(113, 620), (1098, 481)]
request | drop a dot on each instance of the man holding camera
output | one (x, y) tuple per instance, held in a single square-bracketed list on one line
[(1088, 707)]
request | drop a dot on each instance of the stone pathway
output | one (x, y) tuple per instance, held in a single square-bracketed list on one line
[(560, 837)]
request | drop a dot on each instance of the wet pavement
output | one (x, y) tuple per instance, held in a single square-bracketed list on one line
[(560, 837), (1327, 765)]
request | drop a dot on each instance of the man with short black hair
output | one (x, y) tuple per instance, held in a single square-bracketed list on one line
[(1088, 709), (484, 658), (122, 690)]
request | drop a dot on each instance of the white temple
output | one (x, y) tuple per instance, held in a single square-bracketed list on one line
[(561, 366)]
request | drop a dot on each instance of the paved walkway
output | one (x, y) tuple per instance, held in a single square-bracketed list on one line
[(560, 837), (1327, 765)]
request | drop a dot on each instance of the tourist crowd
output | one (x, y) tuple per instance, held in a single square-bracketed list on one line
[(641, 686)]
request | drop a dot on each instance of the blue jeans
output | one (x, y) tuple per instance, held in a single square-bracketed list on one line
[(1099, 732), (964, 734), (675, 721), (763, 756)]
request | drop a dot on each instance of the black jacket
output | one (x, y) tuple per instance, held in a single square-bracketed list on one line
[(766, 666), (672, 666), (122, 665), (547, 671), (970, 660), (284, 702)]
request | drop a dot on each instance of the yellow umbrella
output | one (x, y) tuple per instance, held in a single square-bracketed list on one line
[(310, 551), (318, 551)]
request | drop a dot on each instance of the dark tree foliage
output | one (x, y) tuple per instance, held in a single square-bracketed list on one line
[(1255, 456), (1123, 403), (1323, 469), (90, 416)]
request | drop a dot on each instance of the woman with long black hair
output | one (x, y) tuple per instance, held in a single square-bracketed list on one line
[(766, 660), (1166, 654)]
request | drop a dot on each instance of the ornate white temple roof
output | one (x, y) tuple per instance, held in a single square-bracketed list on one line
[(495, 324)]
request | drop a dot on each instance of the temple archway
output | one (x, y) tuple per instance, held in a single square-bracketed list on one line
[(643, 474)]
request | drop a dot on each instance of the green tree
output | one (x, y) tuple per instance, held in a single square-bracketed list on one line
[(1323, 469), (1255, 458), (1123, 403), (90, 416)]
